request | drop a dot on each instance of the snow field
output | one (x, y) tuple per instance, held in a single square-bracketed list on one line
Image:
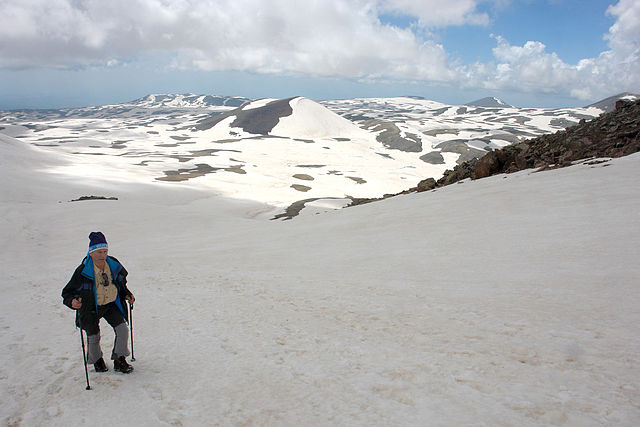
[(506, 301), (155, 138)]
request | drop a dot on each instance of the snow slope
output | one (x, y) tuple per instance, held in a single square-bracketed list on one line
[(511, 300)]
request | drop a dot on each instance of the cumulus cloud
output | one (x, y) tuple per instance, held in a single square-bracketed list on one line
[(341, 38), (531, 68), (526, 68), (624, 34), (331, 40), (320, 37)]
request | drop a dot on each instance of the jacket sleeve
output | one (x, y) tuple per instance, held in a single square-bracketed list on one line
[(70, 291), (122, 282)]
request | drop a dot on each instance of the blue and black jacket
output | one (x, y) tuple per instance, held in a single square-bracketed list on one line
[(83, 285)]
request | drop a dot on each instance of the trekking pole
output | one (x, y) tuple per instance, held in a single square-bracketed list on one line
[(133, 358), (84, 360)]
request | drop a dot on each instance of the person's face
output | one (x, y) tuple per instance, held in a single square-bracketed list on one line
[(99, 256)]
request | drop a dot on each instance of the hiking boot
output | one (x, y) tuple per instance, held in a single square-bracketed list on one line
[(100, 366), (121, 365)]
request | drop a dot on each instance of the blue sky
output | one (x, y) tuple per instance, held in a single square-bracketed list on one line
[(545, 53), (573, 29)]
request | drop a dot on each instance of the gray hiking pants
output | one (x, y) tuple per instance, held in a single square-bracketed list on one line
[(121, 344)]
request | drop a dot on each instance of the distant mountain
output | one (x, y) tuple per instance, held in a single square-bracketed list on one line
[(609, 104), (189, 100), (490, 101)]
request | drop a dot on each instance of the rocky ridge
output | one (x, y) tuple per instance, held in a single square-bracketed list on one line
[(613, 134)]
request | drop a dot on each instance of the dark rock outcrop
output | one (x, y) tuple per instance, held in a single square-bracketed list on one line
[(391, 137), (84, 198), (426, 184), (259, 121)]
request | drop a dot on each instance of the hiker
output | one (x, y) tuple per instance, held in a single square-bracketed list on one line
[(98, 289)]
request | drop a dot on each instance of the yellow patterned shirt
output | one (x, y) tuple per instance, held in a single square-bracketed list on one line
[(108, 293)]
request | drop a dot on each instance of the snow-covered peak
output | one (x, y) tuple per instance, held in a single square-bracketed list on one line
[(490, 101), (297, 117), (312, 120)]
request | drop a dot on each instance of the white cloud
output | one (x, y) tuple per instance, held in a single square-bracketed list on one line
[(531, 68), (624, 34), (526, 68), (336, 38), (342, 38)]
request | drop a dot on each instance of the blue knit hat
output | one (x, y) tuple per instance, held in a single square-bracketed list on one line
[(97, 241)]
